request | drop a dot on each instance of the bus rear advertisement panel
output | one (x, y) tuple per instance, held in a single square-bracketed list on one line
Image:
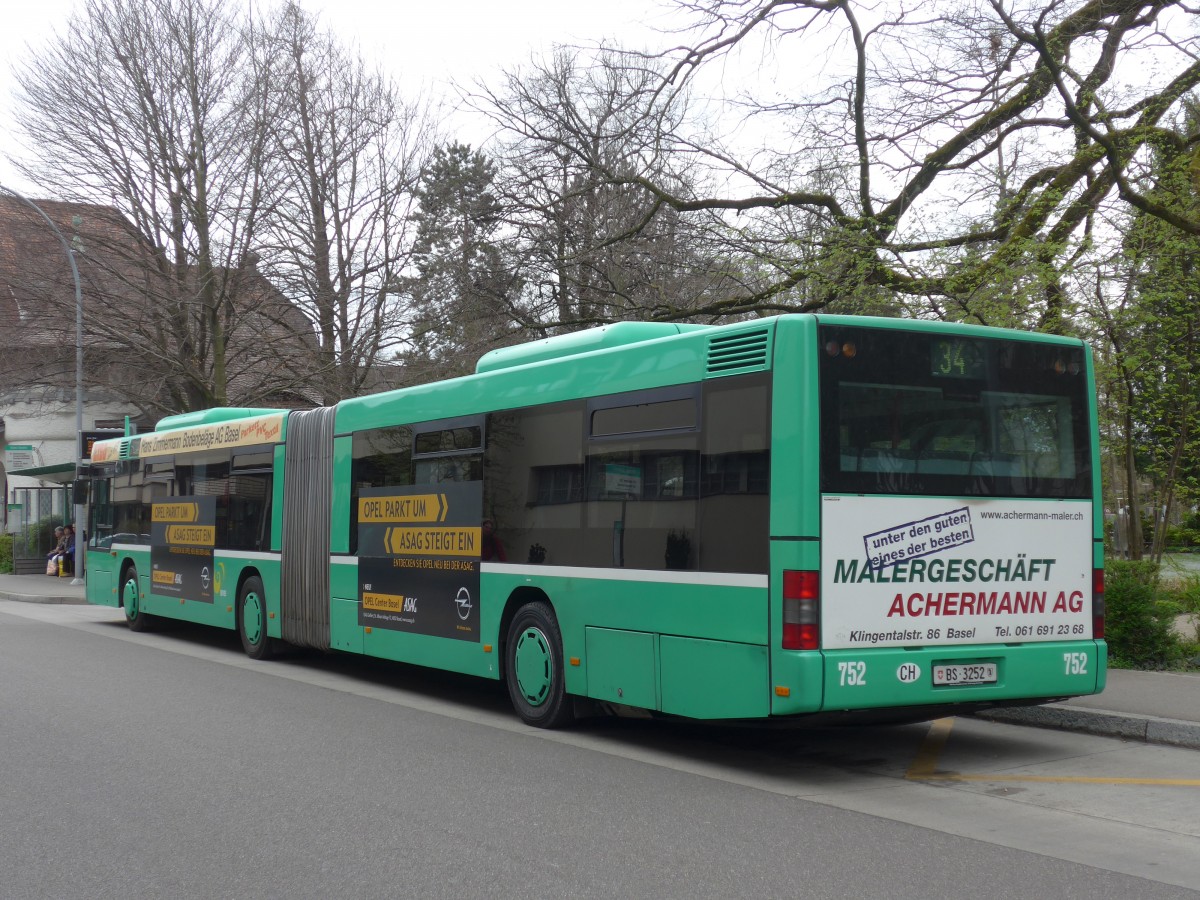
[(927, 571)]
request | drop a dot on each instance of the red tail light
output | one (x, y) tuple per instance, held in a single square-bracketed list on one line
[(801, 610), (1097, 603)]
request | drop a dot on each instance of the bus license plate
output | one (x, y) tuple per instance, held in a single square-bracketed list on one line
[(965, 673)]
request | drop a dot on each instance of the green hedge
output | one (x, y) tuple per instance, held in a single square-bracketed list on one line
[(6, 554), (1182, 538), (1140, 610)]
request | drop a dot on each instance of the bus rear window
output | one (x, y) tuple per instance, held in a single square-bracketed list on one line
[(904, 412)]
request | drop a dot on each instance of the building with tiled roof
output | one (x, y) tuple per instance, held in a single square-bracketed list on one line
[(143, 348)]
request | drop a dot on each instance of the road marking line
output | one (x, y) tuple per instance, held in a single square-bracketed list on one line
[(925, 763), (1058, 779)]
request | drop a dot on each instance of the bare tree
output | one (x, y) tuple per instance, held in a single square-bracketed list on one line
[(926, 152), (591, 249), (141, 107), (345, 153)]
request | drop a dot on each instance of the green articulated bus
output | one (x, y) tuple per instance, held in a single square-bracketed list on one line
[(803, 516)]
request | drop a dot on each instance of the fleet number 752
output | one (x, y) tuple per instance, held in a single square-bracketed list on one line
[(852, 674), (1075, 663)]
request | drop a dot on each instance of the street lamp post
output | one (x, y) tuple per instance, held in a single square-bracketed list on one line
[(80, 552)]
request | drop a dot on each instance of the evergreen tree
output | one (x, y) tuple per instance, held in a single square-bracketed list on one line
[(465, 295)]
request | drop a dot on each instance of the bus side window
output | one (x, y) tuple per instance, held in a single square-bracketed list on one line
[(102, 514), (449, 451), (382, 457), (533, 483), (733, 522), (248, 525)]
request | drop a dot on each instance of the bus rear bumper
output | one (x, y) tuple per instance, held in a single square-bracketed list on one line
[(897, 678)]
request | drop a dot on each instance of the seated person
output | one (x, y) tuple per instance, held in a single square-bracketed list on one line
[(68, 554), (60, 546), (59, 542)]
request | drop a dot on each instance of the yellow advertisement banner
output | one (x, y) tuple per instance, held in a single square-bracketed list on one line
[(163, 577), (461, 541), (192, 535), (238, 433), (175, 512), (219, 436), (409, 508), (383, 602), (106, 451)]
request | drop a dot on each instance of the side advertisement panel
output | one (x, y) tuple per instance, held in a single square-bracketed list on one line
[(923, 571), (182, 536), (418, 559)]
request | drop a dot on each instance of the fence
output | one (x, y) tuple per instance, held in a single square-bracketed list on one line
[(33, 514)]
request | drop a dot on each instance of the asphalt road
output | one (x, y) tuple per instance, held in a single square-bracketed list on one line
[(168, 765)]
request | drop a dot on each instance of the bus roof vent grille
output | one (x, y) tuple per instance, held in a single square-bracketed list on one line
[(125, 445), (742, 351)]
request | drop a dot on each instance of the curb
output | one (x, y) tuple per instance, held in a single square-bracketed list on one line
[(32, 598), (1149, 729)]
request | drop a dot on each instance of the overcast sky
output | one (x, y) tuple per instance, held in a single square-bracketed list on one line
[(426, 43)]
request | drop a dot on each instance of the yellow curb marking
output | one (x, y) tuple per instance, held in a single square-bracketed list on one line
[(924, 767), (931, 748)]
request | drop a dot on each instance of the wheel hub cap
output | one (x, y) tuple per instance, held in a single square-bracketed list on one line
[(252, 618), (534, 662)]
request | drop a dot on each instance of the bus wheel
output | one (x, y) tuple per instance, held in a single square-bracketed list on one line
[(131, 599), (533, 668), (252, 619)]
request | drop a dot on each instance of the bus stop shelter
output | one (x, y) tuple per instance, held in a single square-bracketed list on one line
[(33, 513)]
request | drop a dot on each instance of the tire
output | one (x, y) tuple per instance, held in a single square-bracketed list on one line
[(533, 668), (252, 620), (131, 600)]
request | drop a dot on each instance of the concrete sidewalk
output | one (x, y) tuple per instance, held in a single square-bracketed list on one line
[(1157, 707), (40, 589)]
